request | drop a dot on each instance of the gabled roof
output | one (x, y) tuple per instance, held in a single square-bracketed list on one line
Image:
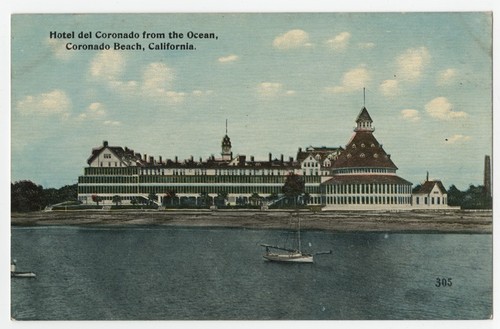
[(122, 154), (364, 151), (427, 187), (323, 151)]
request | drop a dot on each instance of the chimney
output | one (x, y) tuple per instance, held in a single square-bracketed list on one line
[(281, 159), (487, 176), (191, 159), (300, 149), (201, 160), (159, 159), (290, 159), (427, 177), (145, 157), (151, 160), (176, 159), (252, 158), (105, 143), (270, 157)]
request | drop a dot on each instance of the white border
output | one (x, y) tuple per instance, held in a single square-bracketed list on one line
[(148, 6)]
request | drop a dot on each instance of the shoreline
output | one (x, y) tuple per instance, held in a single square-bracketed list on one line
[(463, 222)]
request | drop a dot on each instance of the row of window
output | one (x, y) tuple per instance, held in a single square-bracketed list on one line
[(368, 200), (433, 200), (365, 171), (190, 179), (372, 188), (108, 179), (217, 172), (104, 171), (101, 164), (121, 189)]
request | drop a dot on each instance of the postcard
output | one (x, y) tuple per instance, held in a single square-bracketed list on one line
[(251, 166)]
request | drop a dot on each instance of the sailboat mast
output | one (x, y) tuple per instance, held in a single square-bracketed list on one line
[(300, 249)]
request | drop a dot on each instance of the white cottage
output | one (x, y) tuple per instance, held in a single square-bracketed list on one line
[(430, 195)]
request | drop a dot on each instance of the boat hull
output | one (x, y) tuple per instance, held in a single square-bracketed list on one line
[(22, 275), (289, 258)]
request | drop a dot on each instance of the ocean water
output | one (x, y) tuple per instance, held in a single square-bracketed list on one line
[(174, 273)]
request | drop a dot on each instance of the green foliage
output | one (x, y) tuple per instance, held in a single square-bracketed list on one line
[(27, 196), (294, 187), (152, 198), (117, 199), (475, 197)]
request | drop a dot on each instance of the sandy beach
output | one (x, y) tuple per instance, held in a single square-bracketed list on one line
[(411, 221)]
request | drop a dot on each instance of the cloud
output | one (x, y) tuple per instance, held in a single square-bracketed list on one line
[(202, 92), (157, 78), (446, 77), (292, 39), (389, 87), (352, 80), (410, 115), (58, 48), (271, 89), (228, 59), (94, 111), (440, 108), (55, 102), (107, 65), (412, 63), (156, 83), (457, 139), (366, 45), (112, 123), (340, 41)]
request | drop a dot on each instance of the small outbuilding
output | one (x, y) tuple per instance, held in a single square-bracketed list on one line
[(430, 195)]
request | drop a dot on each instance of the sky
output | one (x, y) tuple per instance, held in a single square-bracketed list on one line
[(282, 81)]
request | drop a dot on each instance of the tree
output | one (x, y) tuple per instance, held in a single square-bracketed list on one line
[(294, 187), (473, 198), (306, 198), (255, 199), (152, 198), (455, 196), (117, 199), (96, 198), (221, 198), (205, 199), (26, 196)]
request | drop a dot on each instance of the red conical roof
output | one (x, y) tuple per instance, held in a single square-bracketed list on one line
[(364, 151)]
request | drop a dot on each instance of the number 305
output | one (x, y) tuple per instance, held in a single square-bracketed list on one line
[(443, 282)]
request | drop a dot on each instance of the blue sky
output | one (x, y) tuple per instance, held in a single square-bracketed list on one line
[(283, 81)]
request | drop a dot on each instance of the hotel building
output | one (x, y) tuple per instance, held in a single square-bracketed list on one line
[(360, 176)]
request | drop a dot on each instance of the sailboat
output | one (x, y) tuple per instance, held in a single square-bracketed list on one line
[(16, 274), (281, 254)]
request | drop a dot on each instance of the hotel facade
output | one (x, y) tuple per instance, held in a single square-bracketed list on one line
[(360, 176)]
